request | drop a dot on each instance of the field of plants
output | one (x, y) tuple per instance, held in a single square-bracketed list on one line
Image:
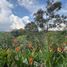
[(29, 49), (33, 33)]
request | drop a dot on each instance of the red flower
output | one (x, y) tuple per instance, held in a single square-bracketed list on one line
[(30, 60), (17, 49)]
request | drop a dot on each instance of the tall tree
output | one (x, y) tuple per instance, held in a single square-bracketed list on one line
[(53, 6), (39, 19)]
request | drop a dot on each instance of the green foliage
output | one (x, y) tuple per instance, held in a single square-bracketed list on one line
[(45, 49), (5, 40), (6, 56), (31, 27), (33, 48), (17, 33)]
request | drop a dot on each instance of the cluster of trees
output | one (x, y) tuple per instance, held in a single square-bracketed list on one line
[(51, 13), (51, 20)]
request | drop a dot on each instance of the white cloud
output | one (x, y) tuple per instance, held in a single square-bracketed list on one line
[(31, 5), (26, 20), (5, 4), (15, 22), (8, 20), (18, 22), (5, 10), (26, 2)]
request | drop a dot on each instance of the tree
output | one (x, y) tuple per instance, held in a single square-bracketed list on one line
[(52, 8), (31, 27), (39, 19), (18, 32), (39, 15)]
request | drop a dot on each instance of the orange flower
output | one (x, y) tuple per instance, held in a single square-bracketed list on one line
[(17, 49), (65, 42), (30, 60)]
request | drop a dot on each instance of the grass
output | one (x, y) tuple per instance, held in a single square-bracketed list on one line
[(43, 49)]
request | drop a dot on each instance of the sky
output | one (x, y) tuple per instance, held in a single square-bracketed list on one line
[(15, 14)]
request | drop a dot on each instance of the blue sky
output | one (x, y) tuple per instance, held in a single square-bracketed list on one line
[(21, 10), (15, 14)]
